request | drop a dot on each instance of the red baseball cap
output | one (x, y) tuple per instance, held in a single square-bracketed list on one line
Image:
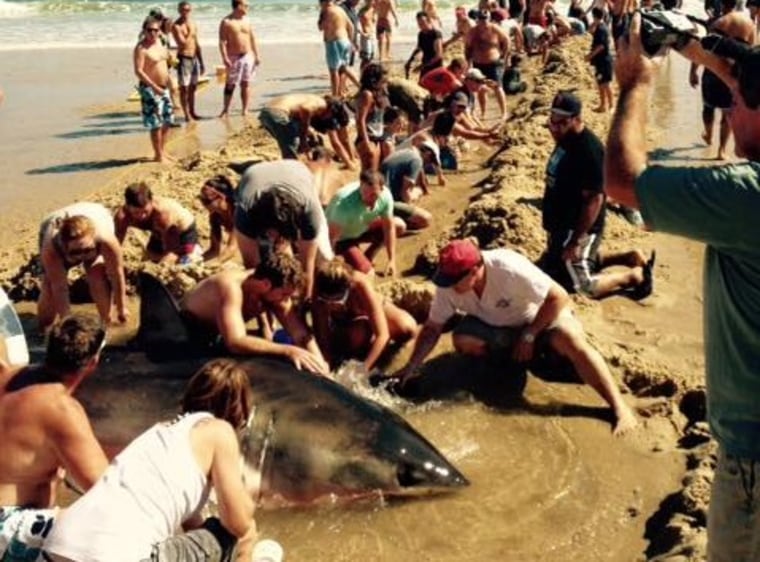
[(456, 260)]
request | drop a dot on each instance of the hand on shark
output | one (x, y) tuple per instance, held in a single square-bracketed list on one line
[(305, 360)]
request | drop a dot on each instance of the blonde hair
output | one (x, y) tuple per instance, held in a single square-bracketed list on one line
[(332, 278), (222, 388), (76, 227)]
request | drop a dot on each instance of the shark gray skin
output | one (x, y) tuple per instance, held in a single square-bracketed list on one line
[(312, 440)]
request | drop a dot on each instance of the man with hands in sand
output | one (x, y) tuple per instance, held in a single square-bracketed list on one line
[(511, 307), (151, 66), (240, 54), (223, 303), (717, 205)]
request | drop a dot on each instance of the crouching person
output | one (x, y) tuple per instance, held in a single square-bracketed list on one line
[(351, 320), (162, 480)]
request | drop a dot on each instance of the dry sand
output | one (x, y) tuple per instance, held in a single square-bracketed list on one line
[(654, 346)]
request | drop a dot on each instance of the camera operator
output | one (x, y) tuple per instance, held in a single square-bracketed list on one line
[(718, 205)]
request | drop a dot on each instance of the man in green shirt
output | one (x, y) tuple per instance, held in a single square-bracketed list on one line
[(720, 206), (362, 212)]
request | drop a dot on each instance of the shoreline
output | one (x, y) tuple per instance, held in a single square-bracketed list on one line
[(650, 347)]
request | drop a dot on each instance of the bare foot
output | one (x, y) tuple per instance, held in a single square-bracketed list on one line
[(707, 138), (223, 115), (626, 421), (721, 155)]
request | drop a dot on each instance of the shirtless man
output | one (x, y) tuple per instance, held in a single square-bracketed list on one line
[(223, 303), (715, 94), (191, 67), (487, 48), (462, 26), (240, 54), (151, 66), (173, 234), (385, 9), (338, 35), (45, 434)]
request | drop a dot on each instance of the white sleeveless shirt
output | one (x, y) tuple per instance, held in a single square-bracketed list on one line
[(143, 498)]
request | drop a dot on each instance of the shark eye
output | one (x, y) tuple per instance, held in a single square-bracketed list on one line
[(409, 475)]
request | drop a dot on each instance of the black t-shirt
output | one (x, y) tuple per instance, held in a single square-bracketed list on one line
[(444, 124), (426, 43), (575, 166), (601, 37)]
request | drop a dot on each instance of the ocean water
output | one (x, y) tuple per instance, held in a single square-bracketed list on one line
[(40, 24)]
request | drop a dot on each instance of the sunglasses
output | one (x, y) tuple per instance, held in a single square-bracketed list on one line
[(336, 298), (556, 123), (153, 30)]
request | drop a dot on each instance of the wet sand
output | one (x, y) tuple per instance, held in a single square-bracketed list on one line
[(549, 481)]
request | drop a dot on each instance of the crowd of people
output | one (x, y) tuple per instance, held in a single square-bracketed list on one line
[(308, 252)]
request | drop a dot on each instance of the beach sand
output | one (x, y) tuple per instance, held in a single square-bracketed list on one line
[(549, 481)]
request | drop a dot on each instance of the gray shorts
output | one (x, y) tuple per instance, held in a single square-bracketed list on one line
[(188, 71), (211, 543), (504, 338), (286, 131)]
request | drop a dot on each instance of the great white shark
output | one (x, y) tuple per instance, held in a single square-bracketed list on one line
[(309, 439)]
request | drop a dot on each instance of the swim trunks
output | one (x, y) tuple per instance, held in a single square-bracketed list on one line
[(338, 53), (187, 243), (286, 131), (603, 71), (383, 26), (188, 71), (242, 71), (715, 94), (22, 532), (157, 110), (366, 48), (577, 275), (492, 71)]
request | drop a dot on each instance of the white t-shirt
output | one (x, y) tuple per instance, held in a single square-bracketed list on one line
[(514, 291)]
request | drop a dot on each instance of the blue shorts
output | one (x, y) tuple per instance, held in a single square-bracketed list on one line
[(337, 53), (157, 111), (286, 131)]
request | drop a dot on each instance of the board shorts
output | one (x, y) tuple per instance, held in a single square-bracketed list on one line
[(338, 53), (23, 530), (504, 338), (366, 48), (715, 94), (383, 25), (188, 243), (286, 131), (492, 70), (242, 70), (603, 71), (188, 71), (157, 111)]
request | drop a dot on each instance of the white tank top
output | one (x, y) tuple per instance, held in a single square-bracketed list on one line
[(143, 498)]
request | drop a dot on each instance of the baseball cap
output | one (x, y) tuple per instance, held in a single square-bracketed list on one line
[(460, 98), (566, 104), (455, 261), (157, 13), (482, 14), (478, 76), (432, 147)]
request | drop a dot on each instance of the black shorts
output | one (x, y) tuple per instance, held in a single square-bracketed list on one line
[(492, 70), (715, 94), (603, 71)]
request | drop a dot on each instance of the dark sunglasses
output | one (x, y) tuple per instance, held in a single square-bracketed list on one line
[(153, 30), (340, 298)]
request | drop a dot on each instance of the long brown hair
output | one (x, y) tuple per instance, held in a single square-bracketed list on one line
[(220, 387)]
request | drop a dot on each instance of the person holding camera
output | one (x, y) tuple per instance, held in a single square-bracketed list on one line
[(717, 205)]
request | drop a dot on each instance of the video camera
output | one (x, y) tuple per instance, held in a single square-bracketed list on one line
[(662, 29)]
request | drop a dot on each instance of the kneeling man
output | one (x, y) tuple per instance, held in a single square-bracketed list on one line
[(223, 303), (510, 305)]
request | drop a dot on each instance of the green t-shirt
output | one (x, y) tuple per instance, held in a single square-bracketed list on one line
[(347, 210), (720, 206)]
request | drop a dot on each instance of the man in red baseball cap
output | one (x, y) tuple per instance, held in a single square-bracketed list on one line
[(510, 306)]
